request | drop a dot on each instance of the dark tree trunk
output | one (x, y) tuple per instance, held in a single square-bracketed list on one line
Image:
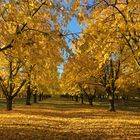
[(99, 97), (35, 98), (9, 104), (28, 96), (72, 98), (90, 101), (82, 99), (112, 103), (43, 97), (76, 98), (40, 97), (28, 99)]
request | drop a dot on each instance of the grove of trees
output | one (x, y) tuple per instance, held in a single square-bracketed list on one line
[(103, 59)]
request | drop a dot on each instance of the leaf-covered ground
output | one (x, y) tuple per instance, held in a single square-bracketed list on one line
[(66, 120)]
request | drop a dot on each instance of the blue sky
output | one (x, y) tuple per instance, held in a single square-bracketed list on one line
[(73, 27)]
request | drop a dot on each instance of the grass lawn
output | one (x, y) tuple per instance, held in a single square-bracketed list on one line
[(62, 119)]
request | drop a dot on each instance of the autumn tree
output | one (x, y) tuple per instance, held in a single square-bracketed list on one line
[(79, 72), (118, 19), (112, 29), (11, 77), (19, 18), (34, 27)]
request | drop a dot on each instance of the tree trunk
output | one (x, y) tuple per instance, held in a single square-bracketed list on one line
[(82, 99), (28, 97), (35, 98), (76, 98), (9, 104), (90, 101), (72, 98), (40, 97), (112, 103)]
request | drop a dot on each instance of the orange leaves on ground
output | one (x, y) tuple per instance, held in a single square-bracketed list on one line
[(59, 119)]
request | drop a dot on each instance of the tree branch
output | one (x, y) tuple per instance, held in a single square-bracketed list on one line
[(19, 88)]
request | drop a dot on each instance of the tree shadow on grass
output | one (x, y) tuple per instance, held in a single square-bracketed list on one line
[(46, 134)]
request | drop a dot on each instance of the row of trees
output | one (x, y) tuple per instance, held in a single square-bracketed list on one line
[(107, 55), (104, 57), (31, 46)]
